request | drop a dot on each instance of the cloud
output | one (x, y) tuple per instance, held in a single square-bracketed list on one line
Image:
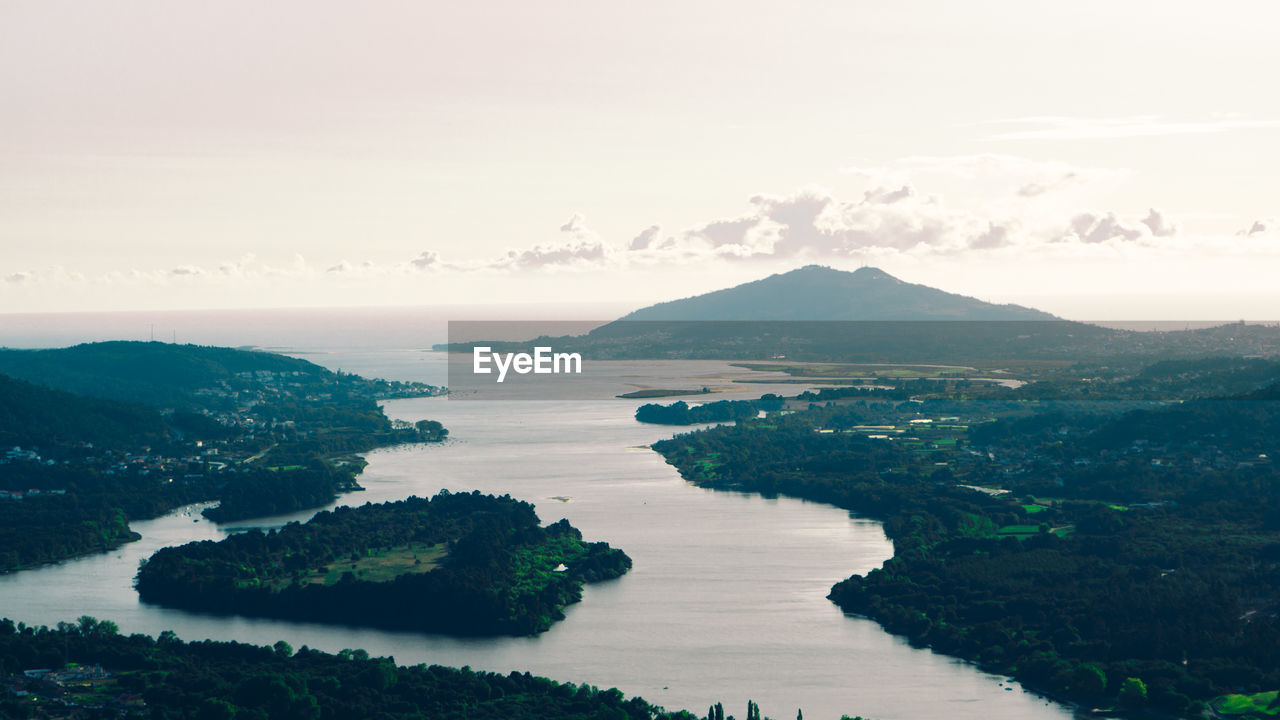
[(726, 232), (650, 237), (1159, 224), (426, 259), (1036, 189), (1092, 228), (890, 220), (812, 222), (540, 256), (996, 236), (1260, 228), (886, 196), (582, 249), (576, 224), (1061, 127), (186, 271), (17, 277)]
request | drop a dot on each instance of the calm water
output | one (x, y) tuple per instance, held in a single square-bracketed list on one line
[(725, 601)]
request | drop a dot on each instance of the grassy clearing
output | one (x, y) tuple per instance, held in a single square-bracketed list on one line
[(381, 565), (1256, 705), (973, 525), (1018, 530)]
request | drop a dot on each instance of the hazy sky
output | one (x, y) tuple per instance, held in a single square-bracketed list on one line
[(1096, 159)]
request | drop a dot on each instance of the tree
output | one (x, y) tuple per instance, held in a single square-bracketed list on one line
[(93, 627), (1133, 692), (1089, 679)]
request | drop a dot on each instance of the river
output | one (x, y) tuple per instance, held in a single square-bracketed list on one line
[(725, 601)]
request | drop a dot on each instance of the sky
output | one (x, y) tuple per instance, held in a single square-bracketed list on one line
[(1099, 160)]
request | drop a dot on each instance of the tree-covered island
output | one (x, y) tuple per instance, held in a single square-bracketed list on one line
[(457, 563)]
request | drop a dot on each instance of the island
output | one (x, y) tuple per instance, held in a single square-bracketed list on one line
[(456, 563)]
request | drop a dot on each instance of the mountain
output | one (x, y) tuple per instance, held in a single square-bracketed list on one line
[(822, 293), (817, 313)]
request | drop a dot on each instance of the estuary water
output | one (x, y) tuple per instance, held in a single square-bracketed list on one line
[(726, 600)]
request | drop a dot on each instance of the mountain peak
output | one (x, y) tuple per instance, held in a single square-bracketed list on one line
[(866, 272), (817, 292)]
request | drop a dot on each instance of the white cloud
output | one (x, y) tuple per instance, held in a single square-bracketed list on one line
[(573, 253), (1159, 224), (650, 237), (576, 224), (1093, 228), (1261, 227), (426, 259), (885, 196)]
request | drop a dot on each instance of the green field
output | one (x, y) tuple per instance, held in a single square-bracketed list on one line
[(1018, 530), (381, 565), (1256, 705)]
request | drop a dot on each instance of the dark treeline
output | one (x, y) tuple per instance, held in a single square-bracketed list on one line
[(31, 415), (495, 572), (260, 492), (51, 528), (900, 391), (77, 511), (1148, 574), (681, 413), (168, 679)]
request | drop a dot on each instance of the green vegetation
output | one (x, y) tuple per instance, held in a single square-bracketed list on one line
[(379, 565), (165, 425), (138, 677), (1124, 553), (1257, 705), (459, 563), (681, 413)]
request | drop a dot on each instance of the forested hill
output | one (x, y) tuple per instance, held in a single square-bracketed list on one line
[(31, 415), (174, 376), (822, 293), (135, 429)]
